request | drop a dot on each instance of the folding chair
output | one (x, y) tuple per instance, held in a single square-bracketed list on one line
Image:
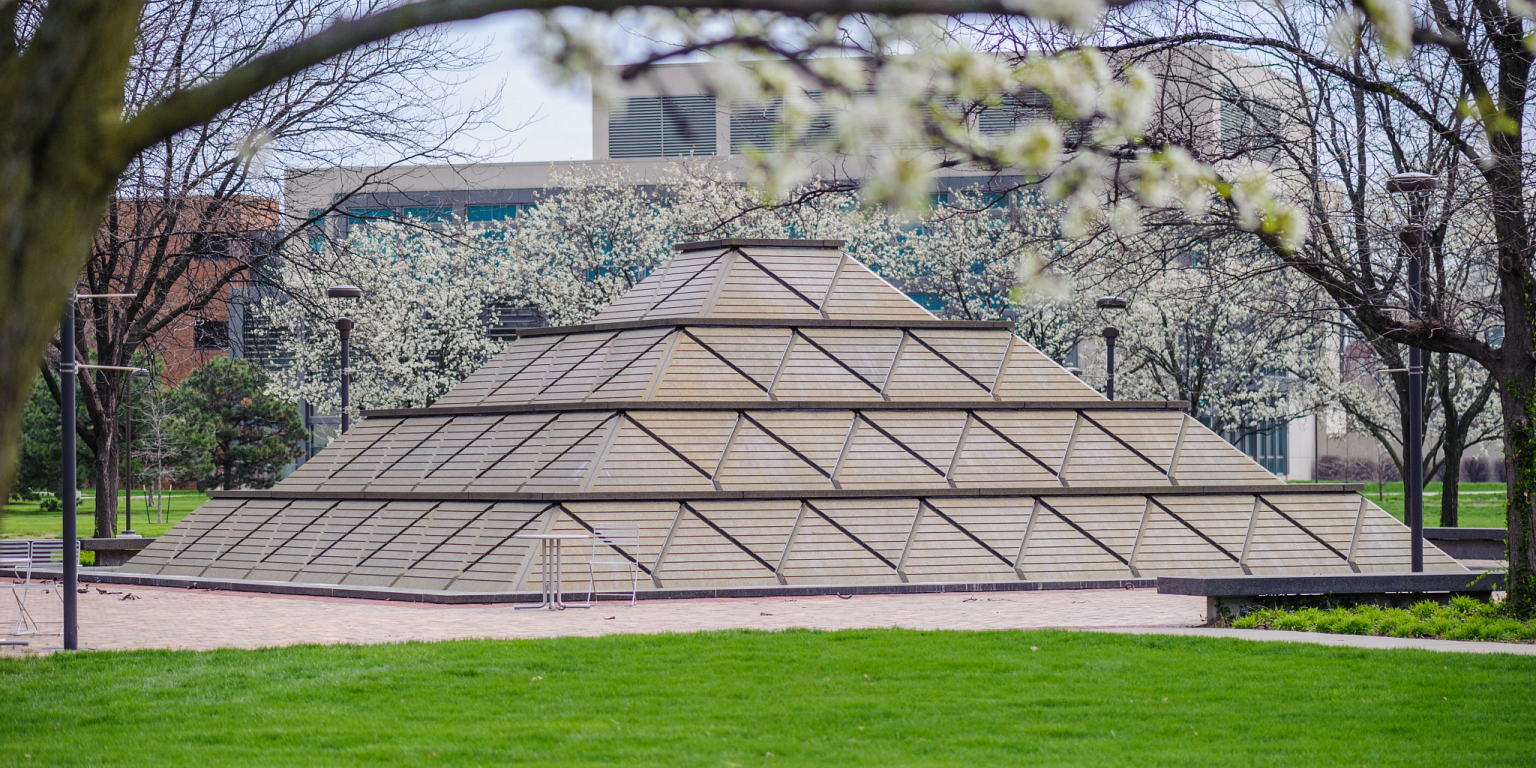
[(609, 543), (21, 556)]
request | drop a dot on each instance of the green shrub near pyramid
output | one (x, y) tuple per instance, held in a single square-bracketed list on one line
[(772, 413)]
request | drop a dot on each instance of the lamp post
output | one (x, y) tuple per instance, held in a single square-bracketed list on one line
[(128, 453), (68, 368), (1416, 187), (67, 484), (1110, 334), (344, 328)]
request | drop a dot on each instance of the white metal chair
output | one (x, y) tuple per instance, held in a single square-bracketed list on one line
[(607, 542), (20, 556)]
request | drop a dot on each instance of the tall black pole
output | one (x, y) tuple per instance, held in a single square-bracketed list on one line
[(1415, 239), (1110, 334), (344, 327), (128, 456), (67, 432)]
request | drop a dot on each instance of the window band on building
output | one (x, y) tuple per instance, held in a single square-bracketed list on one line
[(662, 126)]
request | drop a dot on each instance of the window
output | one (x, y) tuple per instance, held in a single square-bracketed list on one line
[(316, 230), (217, 245), (662, 126), (1265, 443), (1495, 337), (1034, 106), (364, 215), (756, 126), (507, 319), (932, 302), (210, 334), (1069, 360), (427, 213), (484, 213), (259, 342), (1249, 124)]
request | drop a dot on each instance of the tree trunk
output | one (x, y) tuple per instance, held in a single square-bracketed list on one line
[(108, 465), (1518, 399), (1450, 482), (1453, 442)]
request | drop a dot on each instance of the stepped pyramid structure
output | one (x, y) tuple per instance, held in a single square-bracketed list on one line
[(774, 416)]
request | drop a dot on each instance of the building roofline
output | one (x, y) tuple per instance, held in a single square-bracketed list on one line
[(748, 242)]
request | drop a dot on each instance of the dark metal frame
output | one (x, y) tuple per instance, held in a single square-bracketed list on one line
[(782, 405)]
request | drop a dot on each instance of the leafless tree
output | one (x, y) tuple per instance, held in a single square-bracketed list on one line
[(1333, 119), (67, 137), (194, 219)]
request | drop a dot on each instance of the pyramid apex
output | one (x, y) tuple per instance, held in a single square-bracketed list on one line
[(737, 242)]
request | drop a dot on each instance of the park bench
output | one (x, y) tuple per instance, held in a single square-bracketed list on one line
[(115, 552), (1469, 543)]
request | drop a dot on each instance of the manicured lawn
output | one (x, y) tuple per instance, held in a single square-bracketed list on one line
[(1482, 504), (877, 698), (26, 520)]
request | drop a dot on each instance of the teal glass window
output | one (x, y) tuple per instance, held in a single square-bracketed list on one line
[(427, 213), (316, 230), (490, 212), (371, 214)]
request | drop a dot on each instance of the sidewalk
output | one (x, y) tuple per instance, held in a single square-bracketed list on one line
[(1323, 638), (150, 617), (195, 619)]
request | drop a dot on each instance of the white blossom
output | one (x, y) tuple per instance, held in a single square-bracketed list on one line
[(420, 327)]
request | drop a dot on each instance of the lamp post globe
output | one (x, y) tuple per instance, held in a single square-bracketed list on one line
[(1416, 188)]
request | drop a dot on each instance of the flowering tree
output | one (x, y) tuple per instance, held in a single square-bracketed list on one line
[(983, 255), (597, 234), (420, 326), (598, 231), (1239, 352)]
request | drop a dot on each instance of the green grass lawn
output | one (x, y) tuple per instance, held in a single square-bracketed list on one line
[(875, 697), (25, 520), (1481, 504)]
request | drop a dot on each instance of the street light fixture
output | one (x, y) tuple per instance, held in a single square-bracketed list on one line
[(1110, 334), (1416, 188), (344, 328)]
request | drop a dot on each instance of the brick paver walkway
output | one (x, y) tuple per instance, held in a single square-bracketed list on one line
[(191, 619)]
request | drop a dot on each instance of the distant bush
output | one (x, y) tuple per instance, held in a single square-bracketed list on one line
[(50, 504), (1465, 618), (1476, 470), (1355, 470)]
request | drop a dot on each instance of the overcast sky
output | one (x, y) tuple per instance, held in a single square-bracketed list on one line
[(562, 126)]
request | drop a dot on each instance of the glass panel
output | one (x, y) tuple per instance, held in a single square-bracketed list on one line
[(490, 212), (428, 213), (371, 214)]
